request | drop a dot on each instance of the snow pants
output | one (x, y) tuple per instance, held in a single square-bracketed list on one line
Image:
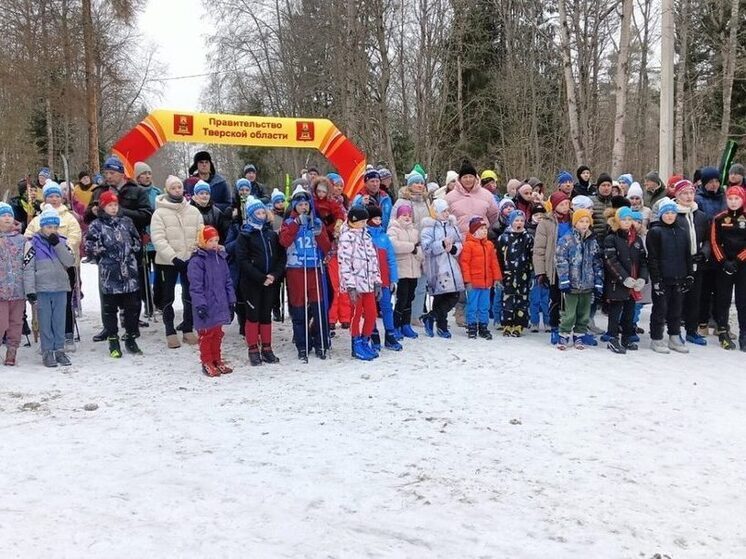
[(340, 308), (539, 303), (365, 312), (442, 305), (478, 306), (210, 340), (516, 287), (621, 314), (691, 304), (129, 303), (11, 322), (576, 313)]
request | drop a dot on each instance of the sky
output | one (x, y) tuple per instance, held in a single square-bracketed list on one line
[(179, 28)]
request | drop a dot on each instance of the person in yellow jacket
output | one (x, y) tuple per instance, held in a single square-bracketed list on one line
[(70, 229)]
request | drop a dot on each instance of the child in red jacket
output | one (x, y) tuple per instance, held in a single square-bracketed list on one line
[(481, 272)]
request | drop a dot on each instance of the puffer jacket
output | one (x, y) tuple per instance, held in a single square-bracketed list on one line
[(600, 225), (133, 203), (623, 259), (211, 215), (419, 204), (465, 205), (669, 257), (545, 247), (441, 268), (174, 229), (45, 266), (69, 228), (210, 286), (11, 266), (358, 261), (258, 253), (478, 261), (115, 245), (579, 263), (404, 238), (386, 255), (711, 203)]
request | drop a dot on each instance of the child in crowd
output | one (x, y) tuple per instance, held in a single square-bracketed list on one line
[(580, 273), (514, 248), (211, 214), (46, 283), (481, 271), (389, 279), (405, 237), (262, 264), (213, 299), (12, 297), (360, 278), (114, 244), (505, 206), (278, 209), (538, 297), (670, 264), (626, 274), (441, 244)]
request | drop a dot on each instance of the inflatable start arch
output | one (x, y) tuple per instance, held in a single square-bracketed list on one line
[(162, 126)]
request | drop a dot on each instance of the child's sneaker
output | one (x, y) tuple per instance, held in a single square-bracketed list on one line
[(444, 333), (577, 341), (115, 349), (616, 346), (630, 344), (390, 341), (484, 331), (471, 331), (408, 332), (589, 340), (210, 370), (562, 342), (130, 344), (725, 341), (62, 358), (675, 343), (659, 346), (428, 322)]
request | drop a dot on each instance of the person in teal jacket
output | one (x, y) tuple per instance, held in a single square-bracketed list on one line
[(389, 277)]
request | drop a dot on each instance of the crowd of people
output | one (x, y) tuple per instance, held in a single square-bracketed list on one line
[(527, 259)]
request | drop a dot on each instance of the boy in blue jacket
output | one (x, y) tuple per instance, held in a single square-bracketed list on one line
[(389, 275)]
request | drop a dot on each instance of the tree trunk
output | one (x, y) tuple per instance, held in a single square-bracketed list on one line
[(90, 87), (729, 70), (622, 76), (572, 104), (681, 72)]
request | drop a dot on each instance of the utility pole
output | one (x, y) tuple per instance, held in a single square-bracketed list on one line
[(666, 133)]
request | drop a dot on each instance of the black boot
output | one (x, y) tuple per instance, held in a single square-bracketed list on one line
[(130, 344), (302, 355), (629, 345), (484, 331), (255, 359), (375, 339), (320, 353), (471, 331), (101, 336), (268, 355)]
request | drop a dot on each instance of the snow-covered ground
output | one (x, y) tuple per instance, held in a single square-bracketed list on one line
[(457, 448)]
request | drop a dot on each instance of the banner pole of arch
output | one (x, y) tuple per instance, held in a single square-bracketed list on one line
[(163, 126)]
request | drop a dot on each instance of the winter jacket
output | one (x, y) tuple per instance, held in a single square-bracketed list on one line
[(478, 262), (514, 250), (210, 286), (45, 266), (331, 214), (545, 247), (12, 246), (526, 206), (465, 205), (358, 260), (211, 215), (421, 207), (579, 263), (669, 257), (220, 193), (711, 203), (382, 200), (441, 268), (404, 238), (153, 193), (728, 236), (600, 226), (624, 257), (174, 230), (231, 243), (115, 245), (133, 203), (386, 255), (83, 195), (695, 223), (306, 245), (258, 254), (69, 228), (652, 197)]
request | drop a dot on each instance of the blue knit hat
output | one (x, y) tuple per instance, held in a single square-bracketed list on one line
[(49, 217), (515, 214), (624, 212), (626, 178), (415, 178), (335, 178), (709, 173), (201, 186), (50, 189), (113, 164), (277, 196), (666, 205), (564, 176), (252, 206), (243, 183), (45, 172), (637, 216), (5, 209)]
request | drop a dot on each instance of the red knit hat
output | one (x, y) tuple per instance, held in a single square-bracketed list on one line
[(681, 186), (207, 233), (107, 198), (557, 198), (736, 191)]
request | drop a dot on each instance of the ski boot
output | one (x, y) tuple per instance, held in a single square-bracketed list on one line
[(390, 341), (369, 347), (484, 332), (115, 350), (725, 341), (408, 332), (397, 334), (471, 331), (360, 350), (375, 340)]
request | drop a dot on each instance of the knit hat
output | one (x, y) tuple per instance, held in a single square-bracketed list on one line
[(666, 205), (626, 178), (513, 184), (415, 178), (384, 173), (49, 216), (242, 183), (475, 224), (620, 202), (374, 211), (249, 167), (440, 206), (653, 176), (534, 182), (557, 198), (171, 180), (277, 196), (251, 206), (503, 203), (672, 180), (579, 214), (113, 164), (709, 173), (637, 216), (624, 213), (604, 177), (50, 189), (6, 209), (299, 195), (334, 178), (45, 172), (681, 186), (141, 167), (404, 209), (635, 190), (582, 202), (372, 174), (357, 213), (737, 169), (735, 191), (107, 198), (205, 234), (564, 176), (98, 179), (488, 175), (581, 170), (451, 176), (201, 186), (515, 214), (432, 186), (466, 169)]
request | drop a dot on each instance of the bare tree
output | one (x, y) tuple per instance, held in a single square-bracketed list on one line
[(622, 77)]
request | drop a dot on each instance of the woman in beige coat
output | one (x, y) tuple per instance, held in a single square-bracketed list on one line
[(174, 231), (405, 237)]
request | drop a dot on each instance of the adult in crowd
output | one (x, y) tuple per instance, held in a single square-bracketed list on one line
[(26, 205), (451, 180), (737, 175), (655, 190), (583, 187), (258, 190), (203, 168), (372, 194)]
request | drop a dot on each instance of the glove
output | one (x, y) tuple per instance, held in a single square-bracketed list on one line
[(202, 312), (639, 284), (179, 264), (688, 284), (659, 290), (303, 219), (416, 246), (378, 291), (629, 282), (392, 288), (31, 297), (53, 239), (542, 280), (730, 267), (352, 294), (699, 258)]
